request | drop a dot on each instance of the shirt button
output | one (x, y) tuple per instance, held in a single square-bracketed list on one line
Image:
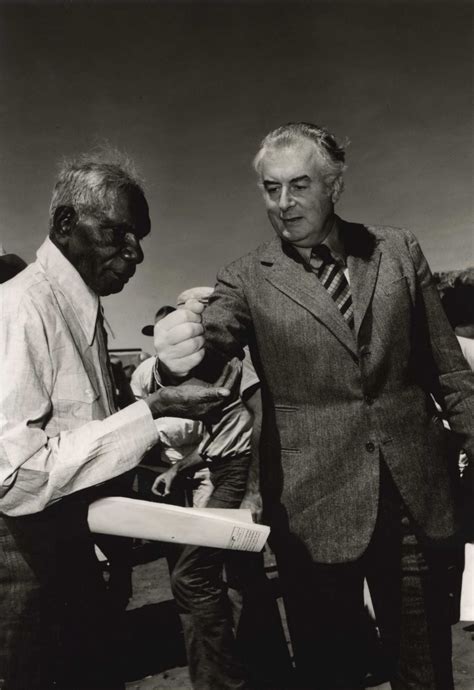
[(89, 393), (370, 447)]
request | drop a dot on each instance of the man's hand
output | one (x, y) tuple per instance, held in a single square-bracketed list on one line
[(253, 502), (179, 340), (164, 481), (188, 401)]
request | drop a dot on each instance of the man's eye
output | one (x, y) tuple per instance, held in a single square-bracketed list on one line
[(299, 187), (119, 235), (272, 191)]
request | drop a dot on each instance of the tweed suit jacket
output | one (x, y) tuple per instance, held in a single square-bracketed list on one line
[(336, 401)]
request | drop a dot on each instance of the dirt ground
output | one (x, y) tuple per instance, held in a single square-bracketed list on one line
[(157, 655)]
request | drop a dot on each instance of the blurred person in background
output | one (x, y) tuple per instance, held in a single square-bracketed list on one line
[(10, 265)]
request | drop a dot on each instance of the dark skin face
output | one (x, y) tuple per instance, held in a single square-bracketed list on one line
[(103, 243)]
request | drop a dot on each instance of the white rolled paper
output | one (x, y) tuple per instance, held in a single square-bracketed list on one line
[(216, 527)]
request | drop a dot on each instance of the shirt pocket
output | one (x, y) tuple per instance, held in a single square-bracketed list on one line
[(74, 397)]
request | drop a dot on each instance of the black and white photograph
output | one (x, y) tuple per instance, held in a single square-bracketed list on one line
[(236, 345)]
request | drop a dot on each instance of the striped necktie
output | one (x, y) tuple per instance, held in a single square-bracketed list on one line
[(331, 275)]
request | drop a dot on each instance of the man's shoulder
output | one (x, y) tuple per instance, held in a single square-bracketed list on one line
[(389, 232), (388, 238), (255, 256)]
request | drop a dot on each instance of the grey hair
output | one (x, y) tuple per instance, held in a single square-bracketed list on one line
[(332, 152), (88, 180)]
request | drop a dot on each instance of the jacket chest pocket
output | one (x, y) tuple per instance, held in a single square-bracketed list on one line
[(395, 286), (392, 308)]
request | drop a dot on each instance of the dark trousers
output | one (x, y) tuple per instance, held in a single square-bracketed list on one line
[(408, 581), (198, 587), (215, 658), (55, 620)]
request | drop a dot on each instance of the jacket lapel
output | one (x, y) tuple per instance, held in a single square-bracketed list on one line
[(363, 262), (292, 279)]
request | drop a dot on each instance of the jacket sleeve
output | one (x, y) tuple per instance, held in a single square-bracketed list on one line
[(453, 380), (35, 469), (227, 319)]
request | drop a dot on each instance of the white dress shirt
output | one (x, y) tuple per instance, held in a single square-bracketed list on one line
[(58, 433)]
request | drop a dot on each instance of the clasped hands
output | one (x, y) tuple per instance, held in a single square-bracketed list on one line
[(179, 344)]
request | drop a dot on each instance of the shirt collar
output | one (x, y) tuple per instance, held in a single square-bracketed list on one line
[(62, 274), (332, 241)]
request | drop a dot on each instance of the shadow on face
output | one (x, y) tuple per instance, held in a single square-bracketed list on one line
[(103, 241)]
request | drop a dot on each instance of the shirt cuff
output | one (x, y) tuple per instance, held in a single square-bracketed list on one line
[(136, 414)]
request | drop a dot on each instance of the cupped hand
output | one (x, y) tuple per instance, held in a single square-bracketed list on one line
[(188, 401), (164, 481)]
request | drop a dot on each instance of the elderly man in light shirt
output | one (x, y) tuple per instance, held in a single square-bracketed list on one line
[(61, 433)]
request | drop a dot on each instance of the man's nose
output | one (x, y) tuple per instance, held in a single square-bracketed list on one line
[(286, 200), (132, 250)]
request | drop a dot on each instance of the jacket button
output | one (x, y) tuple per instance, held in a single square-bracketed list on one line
[(370, 447), (369, 400), (365, 351)]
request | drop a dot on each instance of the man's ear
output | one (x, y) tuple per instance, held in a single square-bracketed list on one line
[(337, 189), (64, 221)]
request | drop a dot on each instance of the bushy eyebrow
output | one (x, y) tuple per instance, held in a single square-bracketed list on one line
[(108, 223), (294, 180), (301, 178)]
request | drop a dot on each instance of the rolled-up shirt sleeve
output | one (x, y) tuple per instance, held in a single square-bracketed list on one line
[(37, 469)]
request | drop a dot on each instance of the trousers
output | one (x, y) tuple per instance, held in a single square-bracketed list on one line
[(224, 642), (200, 593), (55, 619), (408, 581)]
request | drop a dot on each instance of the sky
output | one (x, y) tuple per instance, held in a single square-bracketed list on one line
[(188, 90)]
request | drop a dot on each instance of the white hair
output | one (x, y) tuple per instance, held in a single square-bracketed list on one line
[(331, 152), (87, 181)]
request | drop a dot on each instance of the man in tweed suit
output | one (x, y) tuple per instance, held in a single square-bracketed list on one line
[(351, 344)]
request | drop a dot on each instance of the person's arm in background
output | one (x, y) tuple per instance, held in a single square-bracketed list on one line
[(451, 379), (449, 376), (252, 498), (163, 483), (142, 381)]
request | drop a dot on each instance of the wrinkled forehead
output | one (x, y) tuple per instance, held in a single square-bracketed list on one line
[(282, 163), (123, 205)]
